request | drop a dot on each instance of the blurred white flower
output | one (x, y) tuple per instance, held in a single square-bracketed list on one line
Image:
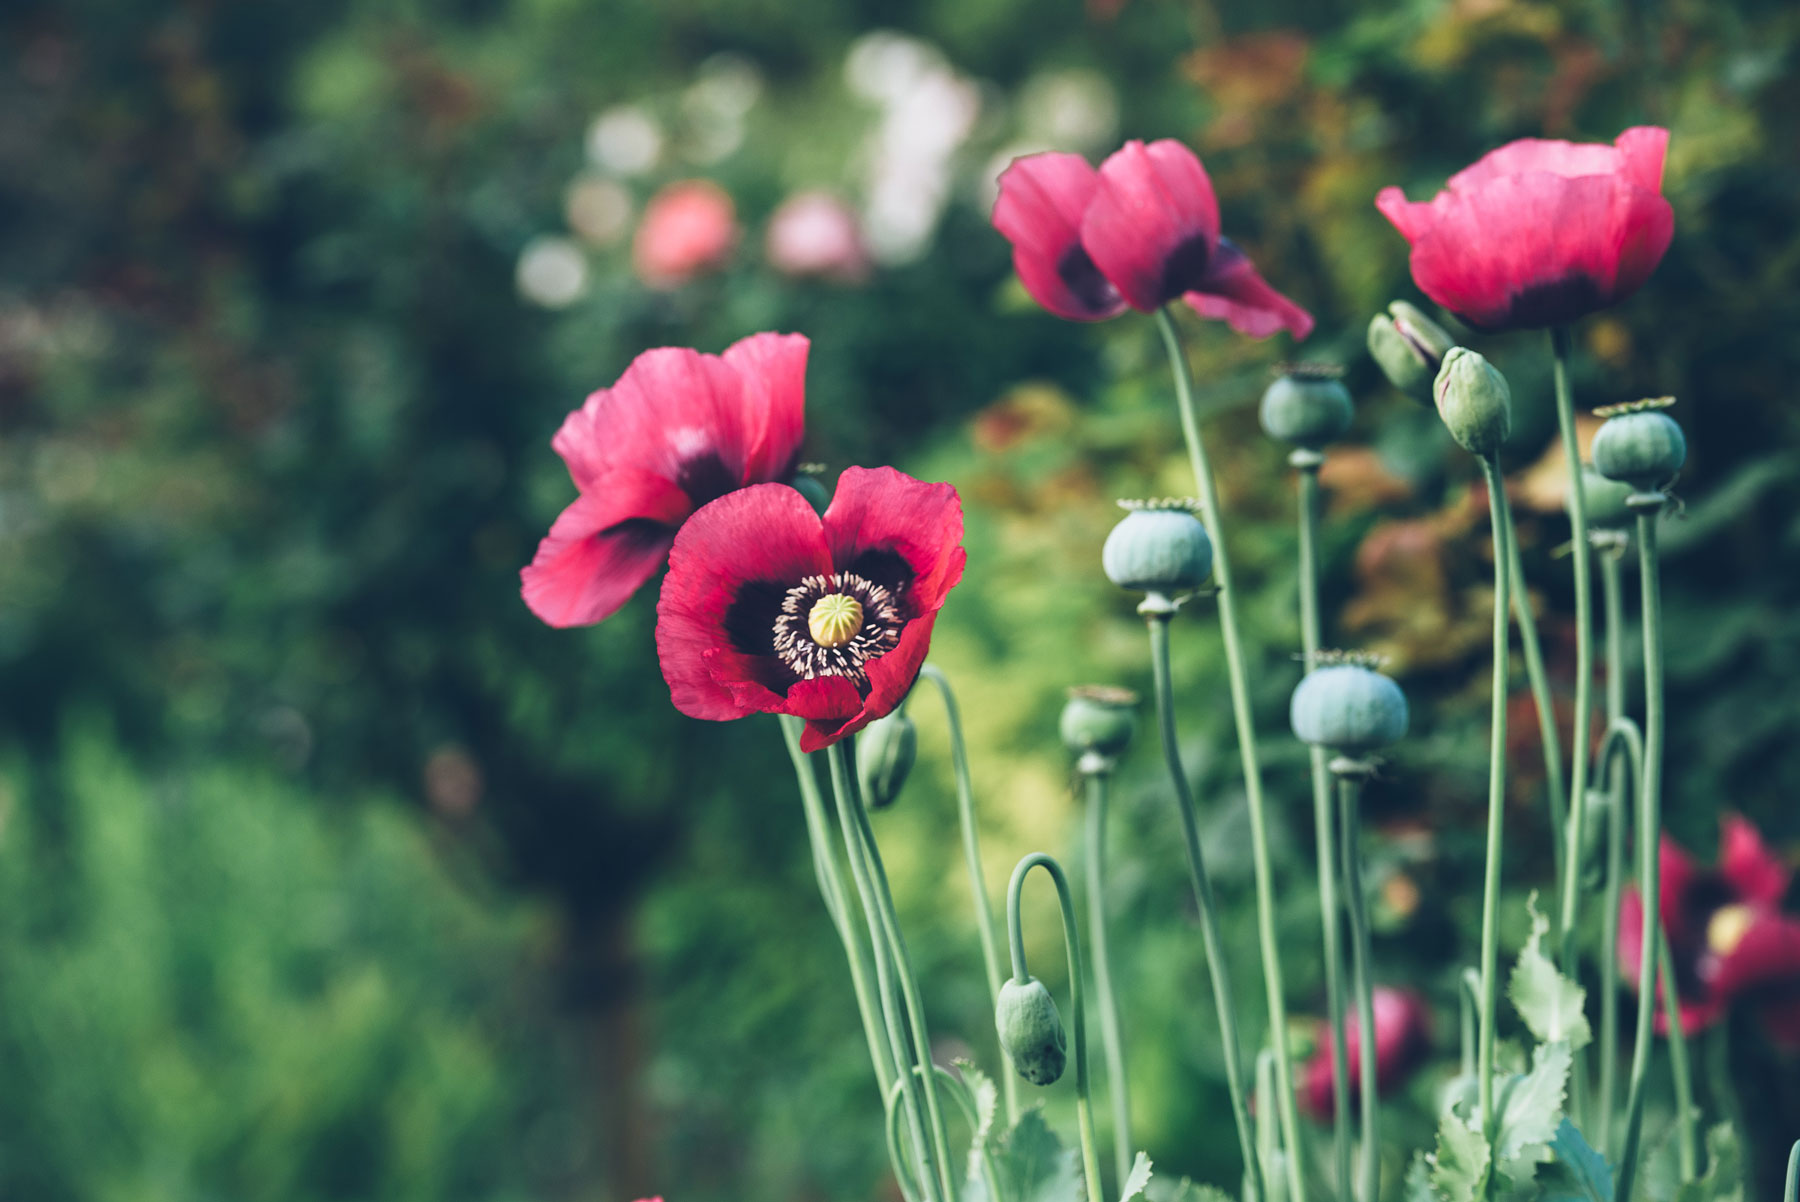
[(598, 209), (1071, 109), (625, 140), (883, 65), (815, 233), (552, 272)]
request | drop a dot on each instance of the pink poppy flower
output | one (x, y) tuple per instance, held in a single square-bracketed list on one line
[(816, 234), (769, 608), (1402, 1042), (679, 429), (688, 228), (1540, 232), (1139, 232), (1728, 935)]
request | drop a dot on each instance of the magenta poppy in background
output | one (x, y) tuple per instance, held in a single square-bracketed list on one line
[(1139, 232), (688, 228), (769, 608), (816, 234), (679, 429), (1729, 937), (1402, 1043), (1540, 232)]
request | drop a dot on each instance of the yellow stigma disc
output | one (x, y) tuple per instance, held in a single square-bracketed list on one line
[(834, 620), (1728, 927)]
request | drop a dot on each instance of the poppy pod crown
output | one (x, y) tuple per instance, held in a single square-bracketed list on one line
[(770, 607)]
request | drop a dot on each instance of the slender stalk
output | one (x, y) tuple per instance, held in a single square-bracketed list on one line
[(1468, 997), (893, 962), (1584, 646), (1618, 812), (1203, 899), (1554, 790), (1685, 1114), (1112, 1039), (1649, 832), (1324, 836), (971, 840), (1496, 829), (1349, 793), (1238, 677), (903, 1172), (1792, 1192), (1084, 1110)]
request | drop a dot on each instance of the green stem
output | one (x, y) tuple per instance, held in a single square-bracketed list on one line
[(1324, 837), (878, 901), (903, 1172), (1584, 647), (1349, 792), (1112, 1039), (1238, 678), (1792, 1192), (1685, 1113), (1496, 827), (984, 912), (1649, 832), (1540, 696), (1084, 1110), (1618, 812), (1203, 899), (1468, 997)]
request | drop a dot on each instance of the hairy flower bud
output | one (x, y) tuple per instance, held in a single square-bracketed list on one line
[(1098, 719), (1031, 1031), (1348, 708), (885, 751), (1307, 406), (1643, 449), (1409, 348), (1159, 548), (1474, 401)]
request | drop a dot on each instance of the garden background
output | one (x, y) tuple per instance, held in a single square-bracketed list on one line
[(327, 872)]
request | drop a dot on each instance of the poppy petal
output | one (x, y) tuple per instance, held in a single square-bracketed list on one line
[(882, 512), (1637, 154), (602, 548), (891, 677), (1752, 870), (1233, 292), (766, 534), (771, 369), (1153, 224), (1768, 951), (1042, 198)]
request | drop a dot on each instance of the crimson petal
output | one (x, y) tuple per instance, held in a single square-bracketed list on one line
[(1752, 870), (602, 548), (1042, 198), (1153, 225), (771, 369), (1233, 292), (880, 513)]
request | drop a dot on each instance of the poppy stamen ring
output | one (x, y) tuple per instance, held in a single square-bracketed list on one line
[(833, 625)]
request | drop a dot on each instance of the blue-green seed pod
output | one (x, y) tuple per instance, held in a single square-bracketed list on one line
[(1606, 508), (1409, 348), (1031, 1031), (1098, 718), (813, 489), (1307, 406), (885, 751), (1158, 549), (1474, 401), (1643, 449), (1348, 708)]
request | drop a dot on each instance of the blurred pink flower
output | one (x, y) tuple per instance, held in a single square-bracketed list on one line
[(816, 234), (688, 228)]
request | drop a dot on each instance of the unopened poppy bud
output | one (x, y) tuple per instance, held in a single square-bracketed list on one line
[(1474, 401), (1031, 1031), (1606, 508), (1644, 449), (885, 751), (1348, 708), (1598, 808), (1160, 547), (1098, 719), (1307, 406), (1409, 348)]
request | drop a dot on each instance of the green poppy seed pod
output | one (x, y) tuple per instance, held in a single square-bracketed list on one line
[(1158, 549), (1098, 718), (1606, 508), (885, 751), (1598, 805), (1643, 449), (1348, 708), (1474, 401), (1307, 406), (813, 489), (1409, 348), (1031, 1031)]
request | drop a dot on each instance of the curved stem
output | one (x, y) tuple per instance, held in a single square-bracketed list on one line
[(1649, 835), (1584, 646), (878, 901), (1349, 792), (1238, 677), (1685, 1113), (1792, 1192), (984, 912), (1203, 900), (1496, 827), (1084, 1111), (903, 1173), (1618, 811), (1324, 837), (1112, 1039), (1554, 788)]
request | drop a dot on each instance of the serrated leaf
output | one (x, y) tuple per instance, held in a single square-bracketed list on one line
[(1417, 1187), (1724, 1178), (1578, 1173), (1033, 1165), (1550, 1003), (1187, 1190), (1530, 1108), (1138, 1180), (987, 1102), (1460, 1166)]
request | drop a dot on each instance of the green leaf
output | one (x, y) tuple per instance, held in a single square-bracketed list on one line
[(1550, 1003), (1418, 1180), (1530, 1108), (1033, 1165), (987, 1101), (1187, 1190), (1578, 1174), (1137, 1180), (1724, 1179), (1460, 1166)]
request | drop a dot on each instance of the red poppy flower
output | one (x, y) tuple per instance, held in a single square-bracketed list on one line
[(688, 228), (769, 608), (1141, 231), (1728, 936), (679, 429), (1402, 1041), (1540, 232)]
